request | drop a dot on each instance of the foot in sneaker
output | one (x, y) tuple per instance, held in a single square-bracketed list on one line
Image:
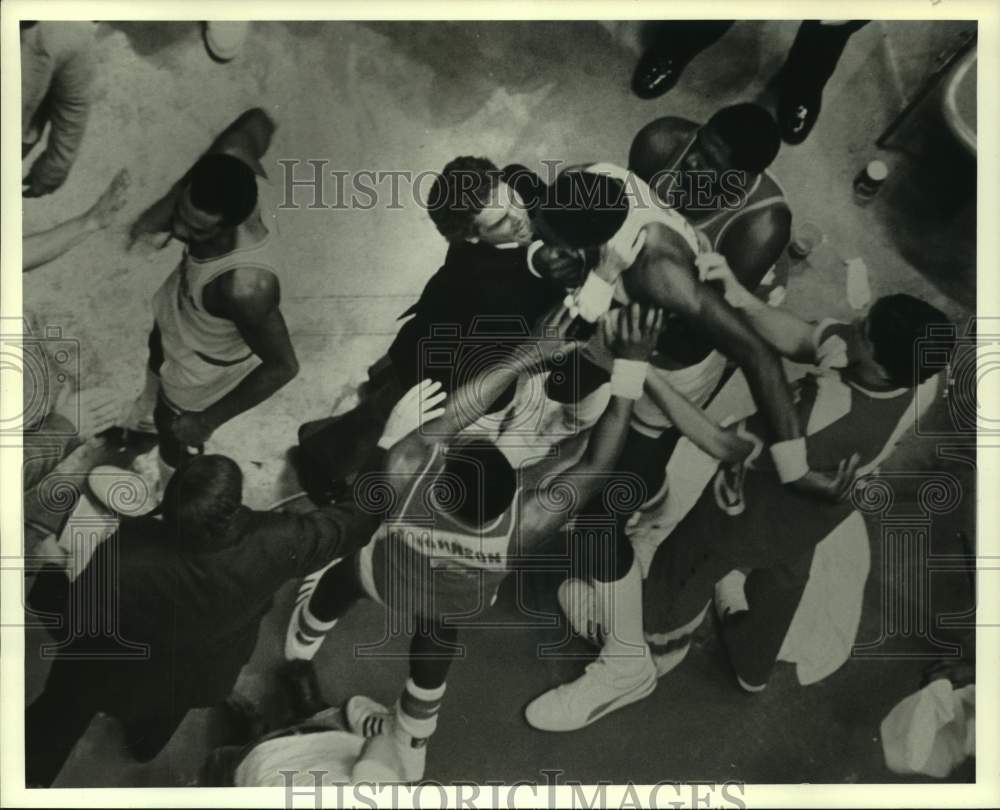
[(578, 601), (366, 717), (305, 632), (393, 757), (599, 691)]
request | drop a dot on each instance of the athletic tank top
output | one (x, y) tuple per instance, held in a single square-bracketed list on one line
[(205, 357), (698, 380), (765, 193), (427, 563)]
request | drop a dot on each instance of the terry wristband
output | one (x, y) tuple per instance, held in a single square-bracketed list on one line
[(628, 378), (532, 250), (593, 299), (790, 459)]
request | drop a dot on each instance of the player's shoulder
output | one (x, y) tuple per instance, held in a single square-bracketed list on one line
[(248, 291)]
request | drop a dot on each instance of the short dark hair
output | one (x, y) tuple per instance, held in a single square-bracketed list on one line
[(201, 500), (750, 133), (485, 477), (224, 185), (583, 209), (459, 194), (895, 324)]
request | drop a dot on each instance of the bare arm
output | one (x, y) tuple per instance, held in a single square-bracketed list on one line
[(251, 299), (665, 277), (788, 334), (470, 402), (41, 248), (630, 334), (692, 421)]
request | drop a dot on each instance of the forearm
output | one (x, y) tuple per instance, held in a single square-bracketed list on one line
[(692, 421), (41, 248), (257, 386), (473, 400), (769, 387), (607, 439), (786, 333)]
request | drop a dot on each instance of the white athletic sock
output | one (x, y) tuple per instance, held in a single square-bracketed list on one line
[(417, 712), (621, 602)]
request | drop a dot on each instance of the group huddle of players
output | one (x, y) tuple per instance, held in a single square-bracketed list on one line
[(586, 321)]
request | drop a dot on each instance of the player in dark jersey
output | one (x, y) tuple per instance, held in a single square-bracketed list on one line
[(465, 522), (861, 398)]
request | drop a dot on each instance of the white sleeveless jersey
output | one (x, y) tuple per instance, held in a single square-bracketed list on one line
[(205, 357), (696, 382)]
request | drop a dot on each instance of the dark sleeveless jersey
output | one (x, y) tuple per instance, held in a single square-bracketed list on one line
[(682, 340)]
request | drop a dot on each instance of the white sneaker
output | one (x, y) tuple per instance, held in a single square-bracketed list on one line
[(366, 717), (578, 601), (386, 759), (126, 492), (599, 691), (224, 38), (730, 596), (303, 637)]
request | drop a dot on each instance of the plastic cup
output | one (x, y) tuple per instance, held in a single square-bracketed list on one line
[(805, 239)]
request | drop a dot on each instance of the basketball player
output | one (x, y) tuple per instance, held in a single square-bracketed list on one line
[(219, 344), (860, 400), (463, 525), (607, 204)]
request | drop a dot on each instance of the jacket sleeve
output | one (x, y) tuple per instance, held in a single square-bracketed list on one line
[(336, 530), (70, 96)]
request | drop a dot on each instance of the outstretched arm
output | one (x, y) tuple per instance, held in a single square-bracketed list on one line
[(665, 274), (692, 421), (788, 334), (473, 400), (630, 334), (45, 246)]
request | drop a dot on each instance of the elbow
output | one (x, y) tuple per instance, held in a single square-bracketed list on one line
[(284, 372)]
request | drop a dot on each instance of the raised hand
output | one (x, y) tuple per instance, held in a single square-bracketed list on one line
[(631, 332), (422, 403)]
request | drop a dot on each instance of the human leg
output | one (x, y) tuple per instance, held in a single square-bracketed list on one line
[(674, 44)]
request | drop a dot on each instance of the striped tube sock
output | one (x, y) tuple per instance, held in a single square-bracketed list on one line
[(416, 713)]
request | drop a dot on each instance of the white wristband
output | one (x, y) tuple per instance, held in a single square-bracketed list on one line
[(532, 250), (790, 459), (628, 378), (594, 298)]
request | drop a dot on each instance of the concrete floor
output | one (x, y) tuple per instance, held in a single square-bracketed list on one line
[(405, 96)]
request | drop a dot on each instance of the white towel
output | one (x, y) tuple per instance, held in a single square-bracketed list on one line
[(825, 626)]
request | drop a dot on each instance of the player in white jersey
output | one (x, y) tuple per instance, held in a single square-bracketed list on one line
[(219, 344), (466, 521), (606, 205)]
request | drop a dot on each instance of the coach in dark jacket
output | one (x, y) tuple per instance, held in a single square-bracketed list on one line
[(166, 612), (485, 295)]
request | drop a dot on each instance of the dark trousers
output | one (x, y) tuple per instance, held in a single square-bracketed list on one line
[(599, 545), (74, 693), (810, 62)]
